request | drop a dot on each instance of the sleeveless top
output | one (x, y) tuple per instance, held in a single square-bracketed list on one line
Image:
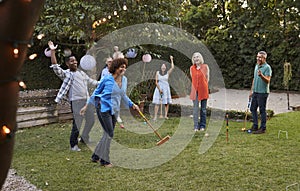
[(199, 82)]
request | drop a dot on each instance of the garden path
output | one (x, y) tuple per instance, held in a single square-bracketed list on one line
[(232, 99)]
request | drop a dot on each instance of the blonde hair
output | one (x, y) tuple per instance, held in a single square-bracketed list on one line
[(200, 56)]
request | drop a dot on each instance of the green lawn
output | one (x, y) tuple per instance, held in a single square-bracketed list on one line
[(246, 162)]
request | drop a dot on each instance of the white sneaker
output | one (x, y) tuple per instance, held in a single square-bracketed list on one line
[(202, 129), (75, 148), (119, 120)]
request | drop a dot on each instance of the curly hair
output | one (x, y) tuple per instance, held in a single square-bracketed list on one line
[(117, 63)]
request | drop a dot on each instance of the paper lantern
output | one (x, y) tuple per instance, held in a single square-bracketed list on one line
[(146, 58), (87, 62), (131, 53), (47, 52)]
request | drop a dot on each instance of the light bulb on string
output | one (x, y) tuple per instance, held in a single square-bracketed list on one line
[(22, 85), (124, 6), (30, 43), (5, 130), (109, 17), (16, 51), (40, 36), (94, 24), (32, 56), (115, 13)]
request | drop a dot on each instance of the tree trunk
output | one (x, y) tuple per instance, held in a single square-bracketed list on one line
[(16, 27)]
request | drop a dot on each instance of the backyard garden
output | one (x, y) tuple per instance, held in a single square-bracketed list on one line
[(35, 130), (244, 162)]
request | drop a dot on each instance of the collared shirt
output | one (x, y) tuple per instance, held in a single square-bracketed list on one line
[(110, 95), (77, 83), (260, 86)]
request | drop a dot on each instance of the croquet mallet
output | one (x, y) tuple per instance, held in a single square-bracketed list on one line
[(162, 140)]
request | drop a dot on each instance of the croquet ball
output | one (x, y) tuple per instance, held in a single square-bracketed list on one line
[(206, 134), (145, 123), (249, 131)]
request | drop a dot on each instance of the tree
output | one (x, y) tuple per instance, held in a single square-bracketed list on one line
[(241, 28), (72, 21), (13, 46), (78, 24)]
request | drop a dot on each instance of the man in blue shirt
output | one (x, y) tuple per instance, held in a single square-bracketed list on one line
[(260, 90)]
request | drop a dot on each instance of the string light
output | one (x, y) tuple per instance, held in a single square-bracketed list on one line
[(16, 50), (32, 56), (124, 7), (15, 80), (103, 20), (22, 85), (5, 130), (40, 36)]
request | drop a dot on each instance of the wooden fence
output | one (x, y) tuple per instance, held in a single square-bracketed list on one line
[(38, 108)]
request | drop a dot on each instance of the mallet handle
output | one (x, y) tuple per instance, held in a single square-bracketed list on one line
[(147, 121)]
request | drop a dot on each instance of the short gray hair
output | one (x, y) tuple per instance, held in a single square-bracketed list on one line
[(263, 53)]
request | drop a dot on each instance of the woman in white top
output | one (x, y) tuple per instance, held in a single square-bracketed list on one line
[(162, 92)]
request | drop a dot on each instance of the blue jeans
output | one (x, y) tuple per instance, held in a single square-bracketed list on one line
[(259, 100), (203, 103), (108, 123)]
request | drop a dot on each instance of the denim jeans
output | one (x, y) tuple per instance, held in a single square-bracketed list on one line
[(259, 100), (203, 103), (108, 123)]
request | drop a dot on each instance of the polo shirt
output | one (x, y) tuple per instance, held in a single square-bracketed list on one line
[(259, 85)]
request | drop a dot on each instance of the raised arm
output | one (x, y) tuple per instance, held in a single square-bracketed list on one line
[(172, 65), (56, 68), (52, 48)]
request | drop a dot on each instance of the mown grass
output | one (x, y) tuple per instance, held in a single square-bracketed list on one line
[(246, 162)]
